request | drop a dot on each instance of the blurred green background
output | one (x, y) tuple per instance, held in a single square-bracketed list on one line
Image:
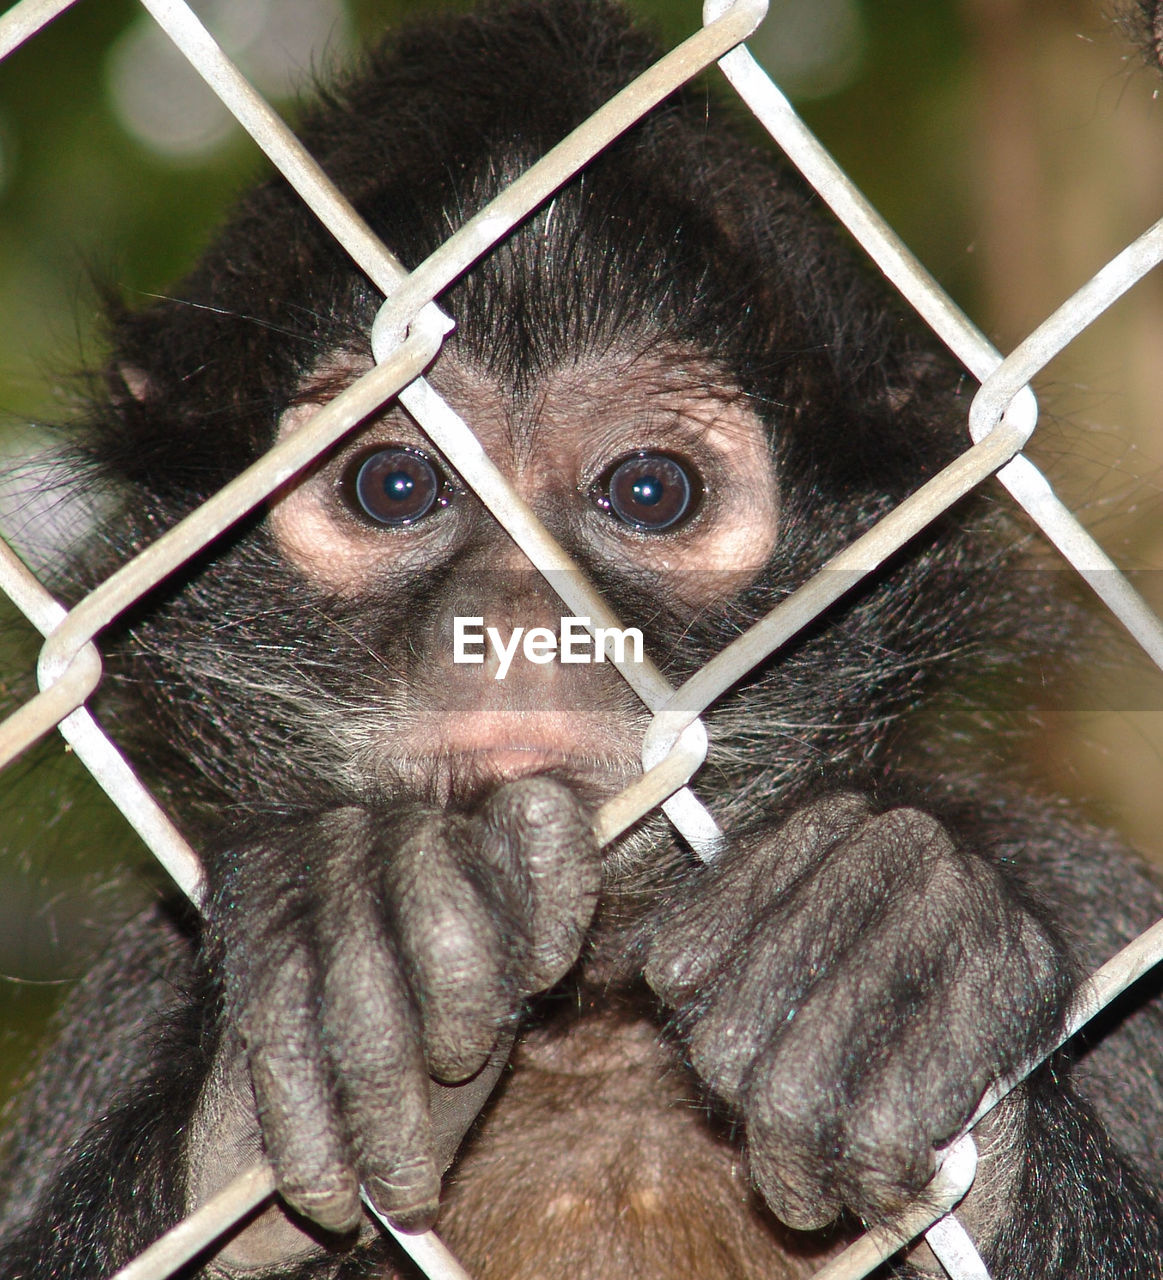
[(1015, 144)]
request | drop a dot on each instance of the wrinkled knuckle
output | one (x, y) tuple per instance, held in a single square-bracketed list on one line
[(454, 1059), (916, 827), (544, 819), (785, 1112), (834, 815), (426, 832), (457, 943), (890, 1158), (913, 842), (554, 953)]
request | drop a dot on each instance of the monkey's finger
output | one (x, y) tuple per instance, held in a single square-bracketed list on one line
[(793, 1104), (371, 1030), (455, 945), (539, 824), (992, 999), (296, 1105)]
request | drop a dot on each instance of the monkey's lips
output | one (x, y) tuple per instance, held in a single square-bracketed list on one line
[(472, 751), (514, 761)]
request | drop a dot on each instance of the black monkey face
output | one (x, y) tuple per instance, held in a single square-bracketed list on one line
[(638, 357), (657, 478)]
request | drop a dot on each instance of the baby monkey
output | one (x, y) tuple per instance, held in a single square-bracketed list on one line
[(720, 1069)]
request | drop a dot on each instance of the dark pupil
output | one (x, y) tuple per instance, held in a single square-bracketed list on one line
[(647, 491), (396, 487), (650, 492)]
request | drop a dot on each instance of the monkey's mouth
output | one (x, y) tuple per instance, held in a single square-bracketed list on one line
[(513, 761), (466, 755), (465, 777)]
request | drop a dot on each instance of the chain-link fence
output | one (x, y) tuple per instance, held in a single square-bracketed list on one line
[(407, 335)]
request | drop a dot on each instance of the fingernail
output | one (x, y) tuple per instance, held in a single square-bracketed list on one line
[(403, 1204)]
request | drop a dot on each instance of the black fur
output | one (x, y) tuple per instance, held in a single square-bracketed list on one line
[(891, 927)]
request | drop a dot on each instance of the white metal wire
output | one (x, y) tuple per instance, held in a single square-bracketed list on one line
[(26, 19), (407, 335), (218, 1217)]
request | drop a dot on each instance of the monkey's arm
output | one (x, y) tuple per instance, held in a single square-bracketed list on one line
[(89, 1176), (848, 984)]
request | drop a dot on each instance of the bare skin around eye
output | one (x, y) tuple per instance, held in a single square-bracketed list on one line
[(554, 447)]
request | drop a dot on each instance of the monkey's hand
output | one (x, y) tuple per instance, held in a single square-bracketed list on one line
[(849, 985), (364, 951)]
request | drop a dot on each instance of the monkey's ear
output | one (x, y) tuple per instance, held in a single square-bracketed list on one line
[(127, 382)]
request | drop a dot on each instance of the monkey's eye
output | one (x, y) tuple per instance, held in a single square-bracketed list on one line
[(649, 491), (394, 486)]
